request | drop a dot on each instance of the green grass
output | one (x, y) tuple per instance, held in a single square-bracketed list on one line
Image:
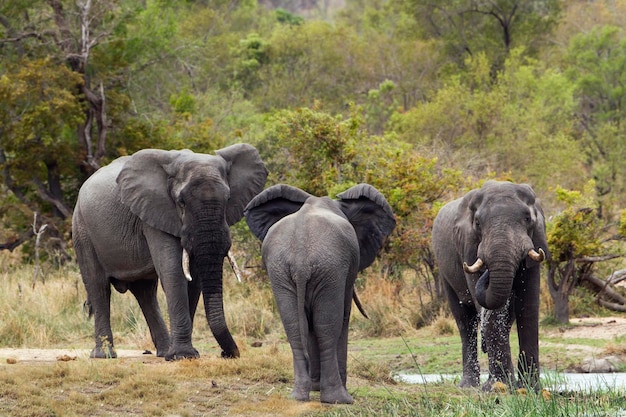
[(51, 316)]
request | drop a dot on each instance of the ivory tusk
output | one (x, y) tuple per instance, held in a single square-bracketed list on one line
[(186, 264), (474, 268), (537, 257)]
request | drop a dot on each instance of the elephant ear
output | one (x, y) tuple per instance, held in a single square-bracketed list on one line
[(272, 205), (464, 236), (246, 177), (143, 185), (372, 219)]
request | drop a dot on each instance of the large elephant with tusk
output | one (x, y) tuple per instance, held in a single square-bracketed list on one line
[(488, 246), (163, 214)]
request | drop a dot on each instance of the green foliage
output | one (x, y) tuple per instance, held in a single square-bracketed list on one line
[(576, 232), (596, 67), (310, 149), (519, 122), (283, 16), (325, 154), (469, 28)]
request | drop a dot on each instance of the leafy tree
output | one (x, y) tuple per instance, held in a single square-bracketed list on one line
[(521, 122), (325, 154), (577, 239), (495, 28), (38, 112), (596, 66)]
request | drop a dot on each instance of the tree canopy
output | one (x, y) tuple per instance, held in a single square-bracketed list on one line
[(422, 99)]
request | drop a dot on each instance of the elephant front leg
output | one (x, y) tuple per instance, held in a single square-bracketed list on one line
[(527, 318), (466, 318), (145, 291), (180, 322)]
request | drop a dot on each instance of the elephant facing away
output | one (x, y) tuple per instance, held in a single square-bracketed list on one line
[(488, 246), (163, 215), (313, 248)]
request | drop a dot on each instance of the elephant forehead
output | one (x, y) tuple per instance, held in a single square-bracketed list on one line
[(321, 205), (195, 173)]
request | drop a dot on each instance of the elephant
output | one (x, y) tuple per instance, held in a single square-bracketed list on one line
[(163, 215), (313, 248), (488, 246)]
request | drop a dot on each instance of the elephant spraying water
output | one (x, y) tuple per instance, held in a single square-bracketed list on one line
[(488, 246), (313, 248), (163, 214)]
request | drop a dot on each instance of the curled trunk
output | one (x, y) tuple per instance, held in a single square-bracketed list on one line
[(494, 287)]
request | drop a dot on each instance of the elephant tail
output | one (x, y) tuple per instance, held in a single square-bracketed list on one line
[(357, 301), (302, 318)]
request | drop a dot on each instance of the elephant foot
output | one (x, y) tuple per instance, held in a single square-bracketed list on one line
[(300, 394), (103, 353), (469, 382), (230, 355), (179, 354), (161, 353), (315, 386), (338, 395)]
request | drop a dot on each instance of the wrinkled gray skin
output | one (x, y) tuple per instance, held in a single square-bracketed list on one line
[(498, 223), (313, 249), (131, 222)]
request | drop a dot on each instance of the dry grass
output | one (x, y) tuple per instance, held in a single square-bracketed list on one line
[(259, 383)]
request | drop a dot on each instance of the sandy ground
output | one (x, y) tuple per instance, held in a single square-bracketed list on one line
[(13, 355), (595, 328)]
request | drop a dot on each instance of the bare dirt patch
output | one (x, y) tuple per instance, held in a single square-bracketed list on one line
[(595, 328), (15, 355)]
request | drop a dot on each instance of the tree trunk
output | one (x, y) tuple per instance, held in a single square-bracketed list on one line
[(561, 307)]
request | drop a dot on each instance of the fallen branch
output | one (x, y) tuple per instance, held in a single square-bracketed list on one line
[(612, 306), (37, 244), (605, 288), (617, 276)]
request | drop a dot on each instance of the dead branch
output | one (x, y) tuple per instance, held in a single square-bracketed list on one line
[(605, 288), (600, 258), (617, 276), (38, 233), (612, 306)]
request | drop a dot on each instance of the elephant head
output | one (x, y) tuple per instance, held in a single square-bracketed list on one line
[(196, 197), (500, 230), (363, 205)]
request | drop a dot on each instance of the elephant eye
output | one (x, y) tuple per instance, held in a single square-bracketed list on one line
[(477, 224)]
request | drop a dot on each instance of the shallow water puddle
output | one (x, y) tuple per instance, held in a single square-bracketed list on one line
[(550, 380)]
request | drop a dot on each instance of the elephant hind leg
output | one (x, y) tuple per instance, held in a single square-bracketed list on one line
[(145, 291), (98, 301)]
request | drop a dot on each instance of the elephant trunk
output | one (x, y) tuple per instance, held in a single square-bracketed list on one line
[(207, 247), (494, 286)]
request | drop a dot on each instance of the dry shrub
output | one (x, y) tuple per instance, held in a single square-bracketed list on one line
[(390, 305), (444, 326), (615, 348), (370, 370), (250, 309)]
